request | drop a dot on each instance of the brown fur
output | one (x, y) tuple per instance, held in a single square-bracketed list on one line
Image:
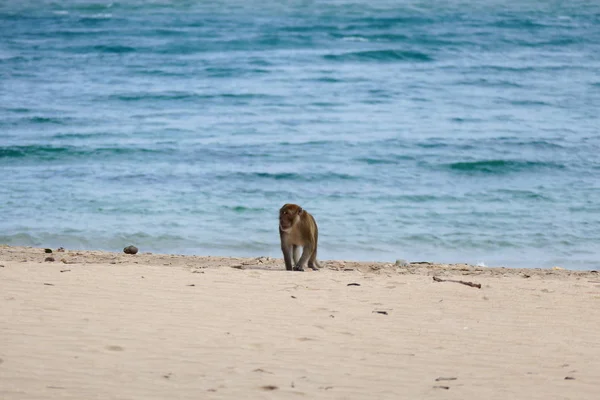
[(298, 228)]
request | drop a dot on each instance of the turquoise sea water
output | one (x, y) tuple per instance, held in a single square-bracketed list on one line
[(466, 131)]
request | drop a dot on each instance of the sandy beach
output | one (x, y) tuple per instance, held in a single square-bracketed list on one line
[(100, 325)]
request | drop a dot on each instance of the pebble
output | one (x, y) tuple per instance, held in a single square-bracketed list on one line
[(130, 250)]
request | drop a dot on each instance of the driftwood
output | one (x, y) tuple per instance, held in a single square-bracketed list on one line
[(476, 285)]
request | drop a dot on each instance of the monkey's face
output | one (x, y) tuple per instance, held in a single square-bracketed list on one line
[(288, 215)]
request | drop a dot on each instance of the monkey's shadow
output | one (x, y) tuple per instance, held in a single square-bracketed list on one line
[(267, 266)]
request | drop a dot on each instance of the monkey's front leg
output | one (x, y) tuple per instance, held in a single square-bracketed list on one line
[(287, 256)]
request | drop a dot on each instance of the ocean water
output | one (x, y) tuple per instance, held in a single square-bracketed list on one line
[(459, 131)]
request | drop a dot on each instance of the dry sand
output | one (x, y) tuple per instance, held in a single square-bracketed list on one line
[(98, 325)]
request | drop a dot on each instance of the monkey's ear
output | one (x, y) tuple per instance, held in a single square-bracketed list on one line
[(300, 210)]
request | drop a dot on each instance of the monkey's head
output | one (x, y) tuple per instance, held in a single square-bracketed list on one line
[(288, 216)]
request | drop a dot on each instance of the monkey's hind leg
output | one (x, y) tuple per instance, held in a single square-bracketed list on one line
[(312, 261)]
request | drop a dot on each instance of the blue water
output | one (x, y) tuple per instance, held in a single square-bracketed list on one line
[(460, 131)]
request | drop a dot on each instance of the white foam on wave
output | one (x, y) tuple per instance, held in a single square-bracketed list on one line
[(355, 39), (101, 16)]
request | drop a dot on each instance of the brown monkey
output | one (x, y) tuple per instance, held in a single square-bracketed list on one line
[(298, 228)]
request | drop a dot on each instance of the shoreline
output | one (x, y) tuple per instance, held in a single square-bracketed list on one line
[(153, 326), (37, 254)]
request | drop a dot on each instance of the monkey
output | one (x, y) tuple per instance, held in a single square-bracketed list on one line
[(298, 228)]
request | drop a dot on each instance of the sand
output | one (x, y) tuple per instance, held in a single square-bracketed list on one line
[(99, 325)]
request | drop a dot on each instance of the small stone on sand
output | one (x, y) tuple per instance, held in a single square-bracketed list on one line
[(130, 250)]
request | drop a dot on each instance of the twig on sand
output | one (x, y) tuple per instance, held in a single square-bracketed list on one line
[(477, 285), (381, 312)]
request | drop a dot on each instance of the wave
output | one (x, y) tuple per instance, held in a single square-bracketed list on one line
[(20, 59), (529, 103), (519, 23), (290, 176), (328, 79), (97, 240), (47, 120), (379, 22), (389, 160), (41, 152), (114, 49), (103, 48), (95, 17), (169, 96), (35, 119), (500, 166), (224, 72), (522, 194), (504, 141), (153, 96), (535, 143), (381, 56), (85, 136), (19, 110), (244, 210), (487, 82), (550, 42), (317, 143), (32, 151), (309, 28), (80, 33), (440, 144), (466, 120), (384, 37), (429, 39)]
